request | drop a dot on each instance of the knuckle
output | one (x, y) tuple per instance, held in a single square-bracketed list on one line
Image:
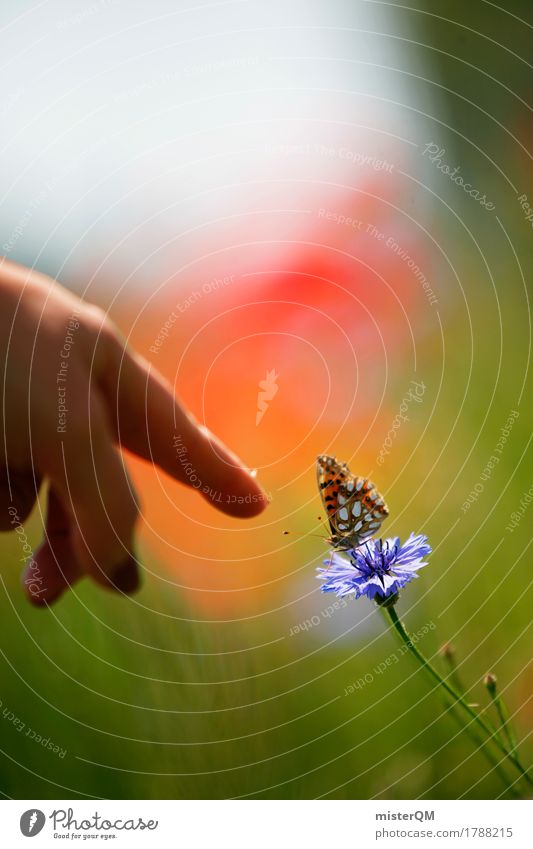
[(94, 318), (98, 335)]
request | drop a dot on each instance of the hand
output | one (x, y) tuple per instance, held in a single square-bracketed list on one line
[(73, 394)]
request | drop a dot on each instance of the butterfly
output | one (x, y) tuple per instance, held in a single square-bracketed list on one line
[(354, 507)]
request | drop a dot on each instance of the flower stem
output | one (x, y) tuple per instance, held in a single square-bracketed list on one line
[(503, 716), (481, 744), (406, 639), (483, 747), (490, 682)]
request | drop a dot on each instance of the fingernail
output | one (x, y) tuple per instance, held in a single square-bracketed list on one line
[(125, 577)]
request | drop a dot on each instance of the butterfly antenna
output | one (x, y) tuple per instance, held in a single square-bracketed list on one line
[(301, 536), (325, 525)]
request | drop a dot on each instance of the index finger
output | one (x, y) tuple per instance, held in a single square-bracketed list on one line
[(153, 424)]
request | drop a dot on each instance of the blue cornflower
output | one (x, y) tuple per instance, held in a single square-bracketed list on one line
[(377, 569)]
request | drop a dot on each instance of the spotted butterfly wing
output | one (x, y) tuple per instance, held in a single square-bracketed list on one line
[(354, 507)]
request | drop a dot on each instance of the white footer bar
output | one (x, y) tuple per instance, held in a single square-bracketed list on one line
[(267, 824)]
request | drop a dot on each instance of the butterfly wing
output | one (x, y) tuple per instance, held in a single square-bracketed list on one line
[(353, 505), (360, 512)]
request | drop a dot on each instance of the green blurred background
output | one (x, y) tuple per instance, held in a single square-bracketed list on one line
[(178, 695)]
